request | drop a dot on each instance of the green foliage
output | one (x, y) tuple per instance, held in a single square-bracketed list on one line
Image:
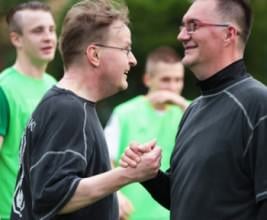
[(256, 52)]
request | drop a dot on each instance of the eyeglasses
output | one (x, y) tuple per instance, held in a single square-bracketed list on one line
[(127, 50), (194, 25)]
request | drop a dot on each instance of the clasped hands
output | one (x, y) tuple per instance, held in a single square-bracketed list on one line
[(142, 160)]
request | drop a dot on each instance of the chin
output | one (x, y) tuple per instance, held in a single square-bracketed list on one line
[(188, 61), (124, 86), (48, 57)]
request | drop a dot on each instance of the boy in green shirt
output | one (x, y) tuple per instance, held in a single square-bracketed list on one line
[(32, 32)]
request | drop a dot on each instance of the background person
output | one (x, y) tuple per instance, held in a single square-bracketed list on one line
[(32, 32)]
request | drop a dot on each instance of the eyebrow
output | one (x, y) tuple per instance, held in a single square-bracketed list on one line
[(191, 20)]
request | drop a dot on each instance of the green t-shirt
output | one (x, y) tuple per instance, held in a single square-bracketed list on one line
[(139, 121), (4, 114), (22, 94)]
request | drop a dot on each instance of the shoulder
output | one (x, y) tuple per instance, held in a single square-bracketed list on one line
[(61, 103), (251, 90), (3, 99), (251, 96), (6, 75), (49, 78), (256, 94)]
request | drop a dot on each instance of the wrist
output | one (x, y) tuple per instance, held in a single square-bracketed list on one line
[(124, 175)]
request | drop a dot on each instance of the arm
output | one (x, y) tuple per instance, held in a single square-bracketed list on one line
[(262, 210), (92, 189), (4, 116), (257, 154), (1, 141), (158, 187), (164, 96)]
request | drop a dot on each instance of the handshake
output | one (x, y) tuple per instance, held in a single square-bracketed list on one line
[(141, 161)]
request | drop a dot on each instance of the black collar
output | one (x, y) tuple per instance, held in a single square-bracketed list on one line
[(225, 77)]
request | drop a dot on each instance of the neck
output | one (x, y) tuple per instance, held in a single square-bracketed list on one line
[(75, 81), (159, 106), (28, 68), (205, 71)]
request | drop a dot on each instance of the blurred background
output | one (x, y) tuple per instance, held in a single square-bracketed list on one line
[(153, 23)]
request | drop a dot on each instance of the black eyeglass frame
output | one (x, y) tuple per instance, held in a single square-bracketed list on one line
[(128, 50)]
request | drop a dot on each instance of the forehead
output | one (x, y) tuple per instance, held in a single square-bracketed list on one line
[(34, 18), (202, 10), (162, 69), (119, 32)]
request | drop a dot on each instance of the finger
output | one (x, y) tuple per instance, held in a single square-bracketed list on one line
[(128, 209), (123, 214), (125, 209), (129, 158), (136, 148), (123, 217), (151, 144), (147, 147), (133, 154), (123, 164), (127, 161), (157, 151)]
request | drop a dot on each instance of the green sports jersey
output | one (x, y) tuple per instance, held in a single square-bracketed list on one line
[(22, 94), (4, 113), (139, 121)]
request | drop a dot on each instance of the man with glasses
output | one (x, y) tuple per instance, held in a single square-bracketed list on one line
[(65, 168), (218, 166)]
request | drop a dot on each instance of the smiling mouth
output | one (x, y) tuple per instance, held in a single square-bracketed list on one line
[(47, 49), (190, 47)]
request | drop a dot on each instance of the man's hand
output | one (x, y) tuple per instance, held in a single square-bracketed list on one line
[(167, 97), (1, 141), (132, 155), (125, 206), (142, 162)]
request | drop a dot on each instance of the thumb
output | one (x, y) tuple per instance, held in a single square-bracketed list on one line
[(147, 147)]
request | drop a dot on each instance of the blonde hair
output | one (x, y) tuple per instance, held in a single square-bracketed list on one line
[(162, 54)]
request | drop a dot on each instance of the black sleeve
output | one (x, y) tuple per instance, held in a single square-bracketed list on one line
[(58, 156), (257, 151), (262, 210), (159, 188)]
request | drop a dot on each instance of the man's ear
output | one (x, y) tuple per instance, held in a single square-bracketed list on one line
[(93, 55), (15, 39), (146, 80), (230, 34)]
